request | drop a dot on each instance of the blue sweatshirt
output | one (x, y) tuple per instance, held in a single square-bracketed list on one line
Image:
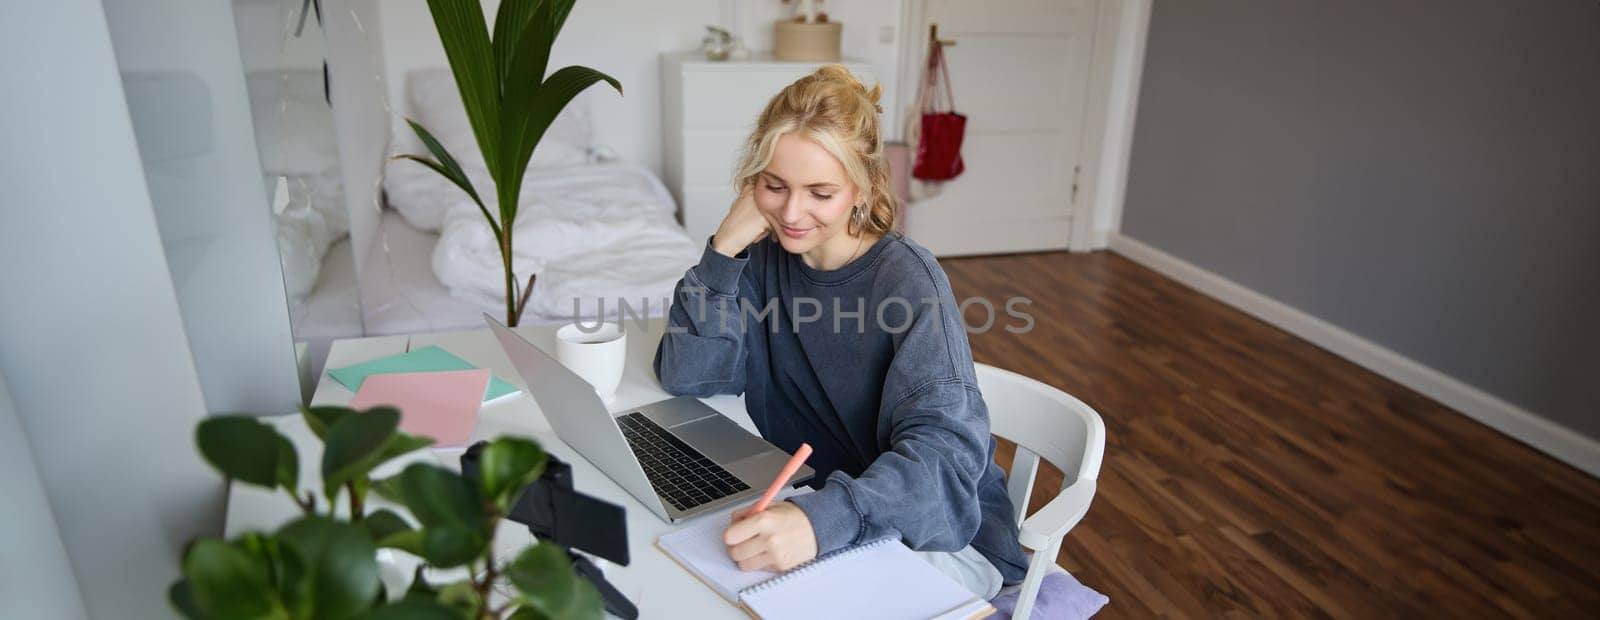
[(869, 364)]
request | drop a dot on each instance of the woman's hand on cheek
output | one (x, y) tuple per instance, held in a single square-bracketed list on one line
[(743, 225), (776, 539)]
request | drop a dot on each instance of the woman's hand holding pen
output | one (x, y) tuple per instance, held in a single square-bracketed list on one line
[(776, 539), (743, 225)]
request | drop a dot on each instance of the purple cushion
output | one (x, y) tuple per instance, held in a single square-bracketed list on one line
[(1060, 596)]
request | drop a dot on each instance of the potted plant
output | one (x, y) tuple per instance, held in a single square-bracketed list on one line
[(509, 102), (324, 564)]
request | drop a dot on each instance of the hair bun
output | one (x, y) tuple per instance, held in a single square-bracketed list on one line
[(835, 72), (834, 110)]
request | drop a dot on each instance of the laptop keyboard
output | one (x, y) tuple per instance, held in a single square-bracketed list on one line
[(679, 473)]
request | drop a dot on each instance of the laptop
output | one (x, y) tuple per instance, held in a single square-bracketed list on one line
[(678, 457)]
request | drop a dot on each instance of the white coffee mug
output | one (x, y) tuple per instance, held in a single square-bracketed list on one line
[(595, 353)]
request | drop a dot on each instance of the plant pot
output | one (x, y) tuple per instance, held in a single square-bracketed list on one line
[(819, 42)]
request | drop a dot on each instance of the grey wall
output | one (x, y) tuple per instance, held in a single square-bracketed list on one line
[(91, 342), (184, 86), (35, 576), (1425, 174)]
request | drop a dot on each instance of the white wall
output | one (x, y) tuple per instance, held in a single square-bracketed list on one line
[(626, 38), (185, 90), (35, 576), (91, 341), (871, 34)]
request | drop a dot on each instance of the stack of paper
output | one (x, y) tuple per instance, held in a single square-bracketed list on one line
[(426, 359), (438, 394)]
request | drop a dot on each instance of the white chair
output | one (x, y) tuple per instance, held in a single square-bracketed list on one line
[(1043, 421)]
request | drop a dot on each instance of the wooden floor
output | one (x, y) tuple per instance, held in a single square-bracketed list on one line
[(1249, 473)]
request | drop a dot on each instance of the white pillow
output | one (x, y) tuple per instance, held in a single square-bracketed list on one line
[(436, 102)]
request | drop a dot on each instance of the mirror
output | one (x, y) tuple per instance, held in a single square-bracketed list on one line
[(284, 55)]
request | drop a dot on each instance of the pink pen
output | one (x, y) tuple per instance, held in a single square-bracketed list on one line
[(789, 468)]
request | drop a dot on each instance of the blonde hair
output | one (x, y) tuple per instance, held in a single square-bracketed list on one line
[(836, 111)]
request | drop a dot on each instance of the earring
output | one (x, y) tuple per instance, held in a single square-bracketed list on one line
[(859, 217)]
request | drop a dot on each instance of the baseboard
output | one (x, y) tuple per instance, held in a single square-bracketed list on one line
[(1558, 441)]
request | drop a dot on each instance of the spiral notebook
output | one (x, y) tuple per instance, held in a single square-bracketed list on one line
[(880, 579)]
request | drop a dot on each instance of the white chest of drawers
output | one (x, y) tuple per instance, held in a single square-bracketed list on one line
[(708, 111)]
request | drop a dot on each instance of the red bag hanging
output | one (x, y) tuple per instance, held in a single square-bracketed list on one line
[(939, 149)]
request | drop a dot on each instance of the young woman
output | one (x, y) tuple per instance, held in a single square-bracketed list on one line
[(844, 335)]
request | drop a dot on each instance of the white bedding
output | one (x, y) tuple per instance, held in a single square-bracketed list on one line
[(400, 294), (597, 234), (594, 234)]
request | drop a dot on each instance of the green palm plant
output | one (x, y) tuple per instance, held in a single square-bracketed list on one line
[(510, 103)]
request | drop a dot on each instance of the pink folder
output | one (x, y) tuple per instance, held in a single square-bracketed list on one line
[(442, 405)]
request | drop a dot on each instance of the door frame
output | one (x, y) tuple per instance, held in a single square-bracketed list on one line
[(1116, 65)]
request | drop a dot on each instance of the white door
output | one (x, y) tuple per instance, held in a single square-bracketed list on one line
[(1020, 69)]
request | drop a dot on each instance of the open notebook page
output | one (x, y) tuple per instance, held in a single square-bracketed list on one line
[(883, 579), (699, 549)]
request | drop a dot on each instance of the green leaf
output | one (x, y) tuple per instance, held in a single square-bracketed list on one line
[(544, 576), (341, 564), (438, 496), (242, 448), (182, 599), (285, 569), (455, 526), (506, 466), (354, 445), (452, 545), (509, 23), (321, 418), (409, 541), (383, 524), (389, 489), (449, 169), (226, 582), (288, 465), (390, 530), (414, 609), (466, 44), (527, 612), (521, 126), (586, 603), (402, 443), (529, 50), (528, 112), (462, 597)]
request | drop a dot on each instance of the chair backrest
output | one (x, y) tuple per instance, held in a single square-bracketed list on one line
[(1044, 422)]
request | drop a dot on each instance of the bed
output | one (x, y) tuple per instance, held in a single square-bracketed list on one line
[(599, 232), (594, 224)]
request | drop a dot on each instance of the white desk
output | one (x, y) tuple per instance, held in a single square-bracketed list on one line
[(652, 581)]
